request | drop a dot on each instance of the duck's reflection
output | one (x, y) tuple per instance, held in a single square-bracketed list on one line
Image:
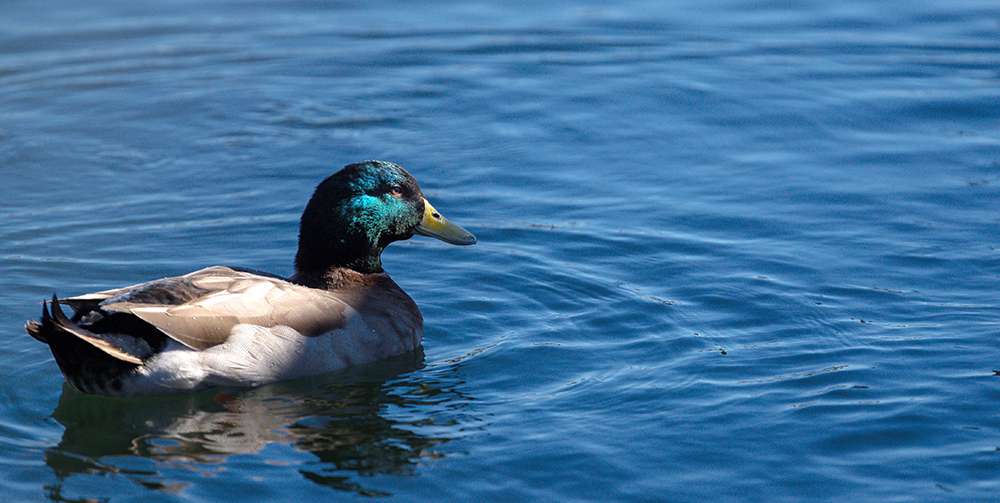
[(349, 420)]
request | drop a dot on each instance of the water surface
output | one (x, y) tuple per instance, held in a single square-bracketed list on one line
[(727, 250)]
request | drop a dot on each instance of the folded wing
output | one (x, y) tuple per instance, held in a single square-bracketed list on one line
[(200, 309)]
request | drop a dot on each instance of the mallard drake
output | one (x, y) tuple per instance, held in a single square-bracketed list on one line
[(228, 326)]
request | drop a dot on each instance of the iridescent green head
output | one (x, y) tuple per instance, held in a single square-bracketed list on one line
[(355, 213)]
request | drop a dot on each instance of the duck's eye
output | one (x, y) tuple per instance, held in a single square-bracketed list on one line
[(396, 190)]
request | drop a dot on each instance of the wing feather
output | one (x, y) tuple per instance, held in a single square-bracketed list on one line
[(201, 309)]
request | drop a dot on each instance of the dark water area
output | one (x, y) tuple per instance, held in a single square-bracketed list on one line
[(733, 251)]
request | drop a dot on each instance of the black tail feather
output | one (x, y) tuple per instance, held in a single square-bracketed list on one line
[(57, 313), (91, 362)]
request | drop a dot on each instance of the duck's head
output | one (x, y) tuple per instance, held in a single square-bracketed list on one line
[(356, 212)]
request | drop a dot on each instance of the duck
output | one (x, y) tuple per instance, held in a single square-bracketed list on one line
[(236, 327)]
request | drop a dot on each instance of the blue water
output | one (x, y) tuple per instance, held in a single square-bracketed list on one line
[(740, 251)]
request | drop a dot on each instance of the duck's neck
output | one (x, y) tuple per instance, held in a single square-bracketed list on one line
[(335, 278), (323, 248), (321, 272), (326, 258)]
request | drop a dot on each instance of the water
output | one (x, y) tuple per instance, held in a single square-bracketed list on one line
[(728, 251)]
